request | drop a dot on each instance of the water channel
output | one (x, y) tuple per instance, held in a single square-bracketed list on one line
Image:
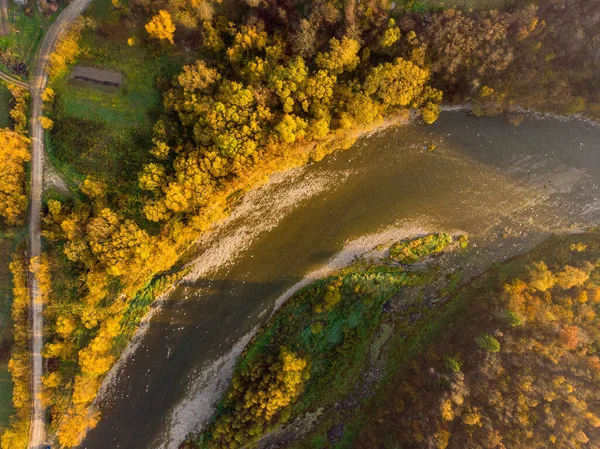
[(507, 186)]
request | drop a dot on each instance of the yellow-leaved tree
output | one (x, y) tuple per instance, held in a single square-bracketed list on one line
[(161, 26), (260, 394), (67, 49), (13, 156)]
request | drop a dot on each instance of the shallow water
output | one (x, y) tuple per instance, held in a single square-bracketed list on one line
[(485, 177)]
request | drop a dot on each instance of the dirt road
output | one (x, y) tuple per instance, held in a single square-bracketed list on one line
[(11, 80), (38, 84)]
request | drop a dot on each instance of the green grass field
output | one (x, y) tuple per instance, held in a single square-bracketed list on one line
[(5, 98), (6, 386), (6, 250), (104, 130)]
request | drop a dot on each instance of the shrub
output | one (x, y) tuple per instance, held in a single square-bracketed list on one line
[(412, 250), (452, 363), (488, 343)]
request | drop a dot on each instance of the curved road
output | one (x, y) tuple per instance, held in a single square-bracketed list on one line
[(38, 84)]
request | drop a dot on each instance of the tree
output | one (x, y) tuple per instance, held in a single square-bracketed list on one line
[(258, 396), (198, 77), (341, 57), (540, 277), (291, 128), (67, 49), (286, 81), (304, 39), (94, 187), (48, 95), (400, 83), (120, 245), (152, 177), (488, 342), (14, 154), (247, 40), (390, 35), (19, 112), (161, 27), (571, 277), (46, 123)]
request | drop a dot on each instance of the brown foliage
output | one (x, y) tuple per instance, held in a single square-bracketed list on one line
[(538, 390)]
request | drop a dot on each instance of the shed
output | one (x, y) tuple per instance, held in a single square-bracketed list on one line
[(97, 76)]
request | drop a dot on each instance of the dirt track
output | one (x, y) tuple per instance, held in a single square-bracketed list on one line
[(11, 80), (38, 84)]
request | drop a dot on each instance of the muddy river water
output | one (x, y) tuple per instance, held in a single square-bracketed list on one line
[(507, 186)]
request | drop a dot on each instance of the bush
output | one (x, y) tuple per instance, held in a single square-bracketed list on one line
[(412, 250), (488, 343), (452, 363)]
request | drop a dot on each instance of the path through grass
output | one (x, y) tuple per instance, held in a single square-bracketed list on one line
[(5, 98), (7, 245)]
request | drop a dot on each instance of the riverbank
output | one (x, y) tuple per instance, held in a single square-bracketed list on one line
[(221, 253), (231, 300), (518, 112), (323, 334)]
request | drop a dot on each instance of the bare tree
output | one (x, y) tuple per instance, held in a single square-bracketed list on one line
[(303, 40)]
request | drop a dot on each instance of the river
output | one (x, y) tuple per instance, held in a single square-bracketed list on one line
[(506, 186)]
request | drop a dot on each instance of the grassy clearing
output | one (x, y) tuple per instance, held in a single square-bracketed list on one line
[(106, 131), (5, 98), (7, 246)]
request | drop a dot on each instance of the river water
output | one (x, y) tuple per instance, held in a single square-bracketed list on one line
[(507, 186)]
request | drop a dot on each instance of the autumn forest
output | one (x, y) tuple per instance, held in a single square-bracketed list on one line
[(217, 97)]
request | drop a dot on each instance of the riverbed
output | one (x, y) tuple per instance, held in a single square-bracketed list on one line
[(507, 186)]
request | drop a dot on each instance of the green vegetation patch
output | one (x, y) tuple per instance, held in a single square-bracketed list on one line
[(411, 250), (6, 385), (452, 380), (6, 250), (106, 131), (5, 98), (327, 334), (19, 47)]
